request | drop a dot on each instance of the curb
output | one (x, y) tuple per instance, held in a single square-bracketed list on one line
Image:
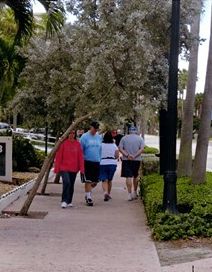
[(11, 196)]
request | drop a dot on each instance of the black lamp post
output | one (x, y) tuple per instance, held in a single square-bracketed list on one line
[(46, 138), (170, 176)]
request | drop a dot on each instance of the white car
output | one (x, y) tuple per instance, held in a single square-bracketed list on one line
[(4, 127)]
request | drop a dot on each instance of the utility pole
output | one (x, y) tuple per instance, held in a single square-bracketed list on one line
[(170, 176)]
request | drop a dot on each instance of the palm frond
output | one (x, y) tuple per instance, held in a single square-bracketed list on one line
[(56, 14), (23, 16)]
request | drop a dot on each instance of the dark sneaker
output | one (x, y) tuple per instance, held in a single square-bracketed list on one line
[(89, 202), (106, 197)]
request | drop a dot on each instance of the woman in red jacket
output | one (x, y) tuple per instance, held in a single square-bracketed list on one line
[(68, 162)]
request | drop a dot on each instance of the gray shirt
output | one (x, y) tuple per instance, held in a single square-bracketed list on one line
[(131, 144)]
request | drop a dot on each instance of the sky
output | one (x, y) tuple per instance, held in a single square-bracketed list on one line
[(203, 48)]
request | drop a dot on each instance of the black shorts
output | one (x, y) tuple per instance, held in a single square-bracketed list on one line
[(130, 169), (92, 171)]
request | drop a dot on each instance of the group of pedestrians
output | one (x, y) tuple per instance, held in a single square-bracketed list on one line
[(95, 157)]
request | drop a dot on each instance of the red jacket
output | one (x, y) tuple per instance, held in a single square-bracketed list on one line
[(69, 157)]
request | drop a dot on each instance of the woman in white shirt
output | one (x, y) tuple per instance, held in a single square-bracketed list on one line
[(108, 163)]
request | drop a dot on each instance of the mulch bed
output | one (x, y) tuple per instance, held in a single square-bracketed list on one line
[(18, 179), (30, 215)]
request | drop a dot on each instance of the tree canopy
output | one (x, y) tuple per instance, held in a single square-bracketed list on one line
[(113, 58)]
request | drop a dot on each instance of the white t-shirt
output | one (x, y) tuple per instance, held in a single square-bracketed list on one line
[(108, 154)]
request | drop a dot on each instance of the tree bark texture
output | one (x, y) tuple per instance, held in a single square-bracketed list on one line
[(47, 163), (185, 155), (200, 161), (43, 190)]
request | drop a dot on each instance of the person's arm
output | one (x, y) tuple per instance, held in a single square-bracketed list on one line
[(116, 151), (81, 160), (116, 154), (122, 150), (125, 153), (138, 153), (82, 143), (58, 159)]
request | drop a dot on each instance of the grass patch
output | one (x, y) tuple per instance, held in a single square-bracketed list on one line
[(194, 206)]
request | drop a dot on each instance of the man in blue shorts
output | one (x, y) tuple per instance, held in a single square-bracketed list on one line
[(91, 145), (131, 146)]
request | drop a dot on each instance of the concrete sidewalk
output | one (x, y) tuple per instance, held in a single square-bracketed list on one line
[(111, 236)]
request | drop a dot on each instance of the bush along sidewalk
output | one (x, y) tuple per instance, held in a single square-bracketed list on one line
[(194, 206), (25, 155)]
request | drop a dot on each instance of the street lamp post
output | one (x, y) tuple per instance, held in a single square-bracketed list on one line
[(170, 176)]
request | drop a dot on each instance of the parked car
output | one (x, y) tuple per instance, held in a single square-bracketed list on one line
[(4, 127)]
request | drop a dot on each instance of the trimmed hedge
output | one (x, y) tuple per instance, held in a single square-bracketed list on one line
[(149, 165), (194, 206)]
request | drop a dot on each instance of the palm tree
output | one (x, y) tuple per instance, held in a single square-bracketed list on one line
[(23, 14), (185, 155), (199, 167), (16, 25), (198, 104), (11, 62)]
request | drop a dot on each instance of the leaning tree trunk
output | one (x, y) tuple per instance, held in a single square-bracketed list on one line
[(43, 190), (200, 161), (185, 155), (47, 163)]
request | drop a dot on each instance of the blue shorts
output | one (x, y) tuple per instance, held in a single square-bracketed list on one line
[(107, 172)]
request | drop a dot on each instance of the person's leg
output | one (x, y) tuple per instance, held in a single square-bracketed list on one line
[(109, 186), (88, 197), (127, 173), (129, 188), (105, 186), (88, 189), (94, 174), (88, 186), (112, 170), (129, 185), (72, 177), (106, 190), (66, 188), (136, 167), (135, 186), (93, 185)]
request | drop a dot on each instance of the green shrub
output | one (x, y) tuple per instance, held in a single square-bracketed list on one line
[(149, 165), (194, 206), (25, 155), (150, 150), (8, 132), (40, 155)]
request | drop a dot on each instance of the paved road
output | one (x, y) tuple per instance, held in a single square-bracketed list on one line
[(152, 140)]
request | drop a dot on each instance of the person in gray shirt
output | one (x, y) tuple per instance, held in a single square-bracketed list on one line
[(131, 146)]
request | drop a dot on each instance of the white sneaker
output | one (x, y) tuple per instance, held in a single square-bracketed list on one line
[(64, 205), (70, 205), (130, 197), (134, 195)]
